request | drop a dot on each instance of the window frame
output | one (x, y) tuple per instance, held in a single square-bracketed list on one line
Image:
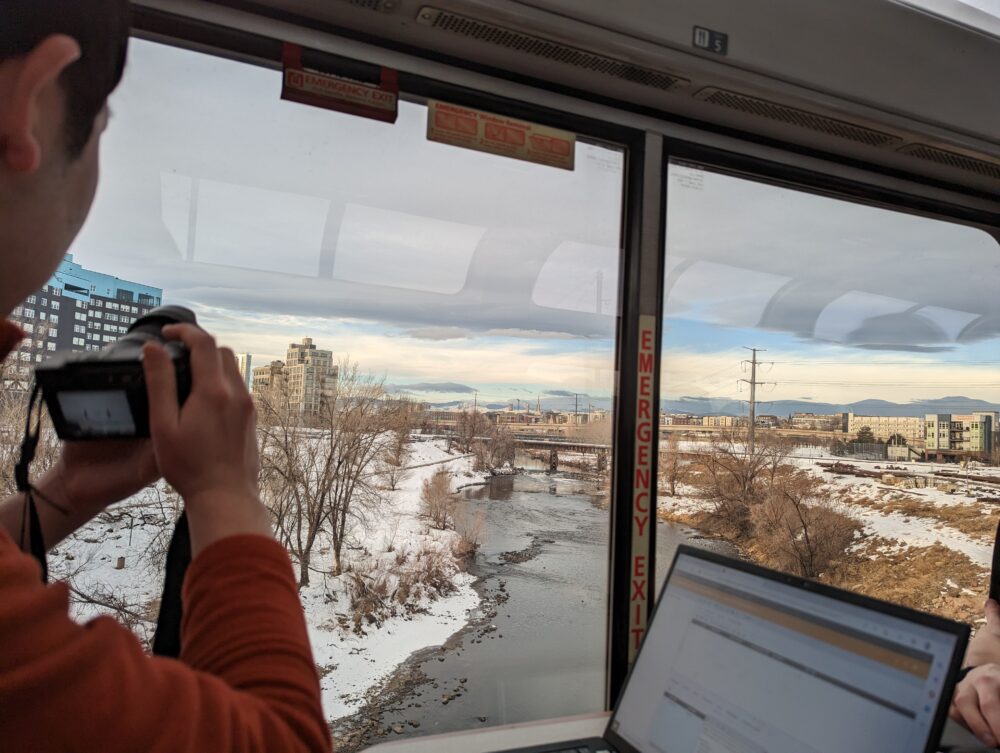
[(251, 33), (639, 173)]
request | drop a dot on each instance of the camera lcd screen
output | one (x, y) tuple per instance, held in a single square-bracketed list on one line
[(97, 412)]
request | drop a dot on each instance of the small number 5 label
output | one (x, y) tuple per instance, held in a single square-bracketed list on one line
[(713, 41)]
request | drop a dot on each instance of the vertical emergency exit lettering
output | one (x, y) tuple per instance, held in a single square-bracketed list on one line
[(642, 483)]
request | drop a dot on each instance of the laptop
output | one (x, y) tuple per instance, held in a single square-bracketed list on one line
[(740, 659)]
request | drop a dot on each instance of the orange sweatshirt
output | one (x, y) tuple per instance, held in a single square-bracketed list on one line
[(245, 680)]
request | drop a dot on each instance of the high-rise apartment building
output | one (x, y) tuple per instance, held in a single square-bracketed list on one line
[(79, 309), (307, 374), (245, 362)]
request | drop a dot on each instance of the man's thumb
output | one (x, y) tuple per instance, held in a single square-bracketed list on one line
[(993, 615)]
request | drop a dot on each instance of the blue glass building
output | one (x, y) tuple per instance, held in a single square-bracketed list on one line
[(80, 309)]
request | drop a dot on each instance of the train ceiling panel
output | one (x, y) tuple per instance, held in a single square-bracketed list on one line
[(872, 80)]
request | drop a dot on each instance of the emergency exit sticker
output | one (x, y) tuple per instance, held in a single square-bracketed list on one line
[(642, 514), (379, 102), (498, 134)]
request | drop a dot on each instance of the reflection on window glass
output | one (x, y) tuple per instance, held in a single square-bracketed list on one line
[(461, 306), (829, 395)]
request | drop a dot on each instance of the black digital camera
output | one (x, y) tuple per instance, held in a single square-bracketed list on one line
[(102, 395)]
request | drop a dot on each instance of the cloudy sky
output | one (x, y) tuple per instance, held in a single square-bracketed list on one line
[(451, 271)]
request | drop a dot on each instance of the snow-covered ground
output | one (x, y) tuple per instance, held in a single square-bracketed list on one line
[(353, 664), (908, 530), (393, 539)]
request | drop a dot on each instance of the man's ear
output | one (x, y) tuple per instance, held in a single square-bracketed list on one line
[(20, 150)]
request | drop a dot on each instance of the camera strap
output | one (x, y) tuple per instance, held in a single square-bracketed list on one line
[(31, 527), (167, 639)]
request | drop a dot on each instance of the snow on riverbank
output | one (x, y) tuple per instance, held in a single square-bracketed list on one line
[(906, 529), (352, 664), (353, 655)]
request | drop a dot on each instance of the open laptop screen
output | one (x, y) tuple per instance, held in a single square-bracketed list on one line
[(737, 661)]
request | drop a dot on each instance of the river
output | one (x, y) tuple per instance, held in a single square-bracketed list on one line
[(537, 647)]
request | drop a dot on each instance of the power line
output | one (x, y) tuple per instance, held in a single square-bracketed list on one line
[(897, 383), (940, 364)]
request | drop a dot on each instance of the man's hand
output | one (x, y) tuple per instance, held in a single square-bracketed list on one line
[(984, 648), (89, 476), (206, 449), (976, 703)]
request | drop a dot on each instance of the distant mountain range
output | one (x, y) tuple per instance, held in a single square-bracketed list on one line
[(709, 407), (703, 406)]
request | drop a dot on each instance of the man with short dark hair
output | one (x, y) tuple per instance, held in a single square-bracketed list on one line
[(245, 680)]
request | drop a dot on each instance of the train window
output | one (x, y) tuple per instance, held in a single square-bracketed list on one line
[(829, 392), (430, 335)]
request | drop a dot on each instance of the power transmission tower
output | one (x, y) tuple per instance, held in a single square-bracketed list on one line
[(752, 381)]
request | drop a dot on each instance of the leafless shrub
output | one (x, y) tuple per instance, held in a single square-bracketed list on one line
[(801, 531), (730, 478), (368, 590), (393, 531), (401, 556), (436, 500), (376, 594), (131, 614), (434, 572), (777, 514), (470, 527)]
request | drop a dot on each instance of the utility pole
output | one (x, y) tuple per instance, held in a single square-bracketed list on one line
[(475, 402), (752, 381), (576, 410)]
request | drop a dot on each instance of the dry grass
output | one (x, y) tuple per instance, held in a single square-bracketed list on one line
[(917, 577), (932, 578), (378, 590)]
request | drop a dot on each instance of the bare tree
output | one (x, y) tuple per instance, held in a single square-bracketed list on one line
[(779, 515), (436, 500), (469, 426), (318, 469), (392, 462), (496, 450), (672, 470)]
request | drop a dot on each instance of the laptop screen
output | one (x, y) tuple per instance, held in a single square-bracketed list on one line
[(736, 662)]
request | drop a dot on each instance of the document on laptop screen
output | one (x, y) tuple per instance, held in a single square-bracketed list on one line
[(738, 663)]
